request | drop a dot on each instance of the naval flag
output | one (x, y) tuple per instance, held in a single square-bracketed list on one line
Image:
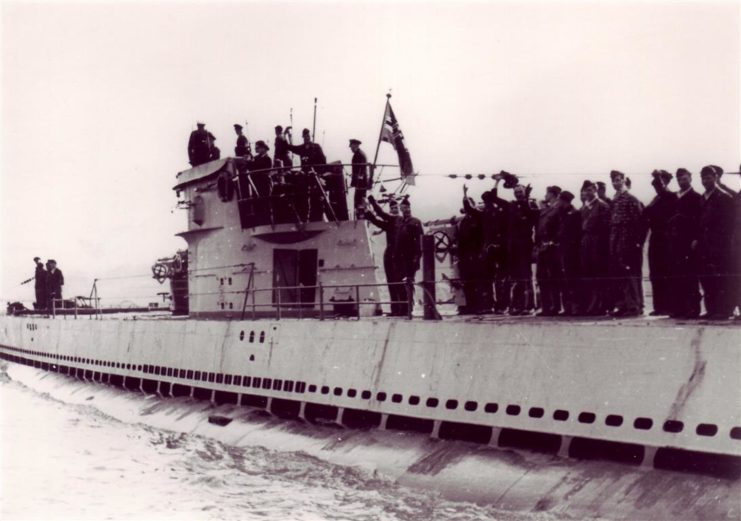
[(391, 133)]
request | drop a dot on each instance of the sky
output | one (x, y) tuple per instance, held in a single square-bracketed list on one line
[(98, 100)]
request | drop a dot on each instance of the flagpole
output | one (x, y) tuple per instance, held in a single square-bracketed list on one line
[(380, 135)]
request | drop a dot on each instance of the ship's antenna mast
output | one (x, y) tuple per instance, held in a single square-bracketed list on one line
[(313, 128), (290, 139)]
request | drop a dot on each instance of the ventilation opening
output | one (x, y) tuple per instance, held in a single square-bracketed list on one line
[(465, 432), (643, 424), (287, 409), (586, 448), (407, 423), (716, 465), (706, 429), (535, 441), (673, 426)]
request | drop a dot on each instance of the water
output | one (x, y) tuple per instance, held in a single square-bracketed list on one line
[(72, 450)]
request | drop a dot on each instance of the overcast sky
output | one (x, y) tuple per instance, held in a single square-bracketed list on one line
[(98, 100)]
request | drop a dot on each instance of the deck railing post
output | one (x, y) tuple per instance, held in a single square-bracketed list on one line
[(321, 302), (277, 301), (357, 299)]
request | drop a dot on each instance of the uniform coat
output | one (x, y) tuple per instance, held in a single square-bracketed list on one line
[(491, 254), (627, 235), (390, 224), (593, 256), (684, 229), (547, 261), (54, 283), (521, 219), (359, 179), (658, 214), (40, 286), (569, 237), (200, 146), (715, 251)]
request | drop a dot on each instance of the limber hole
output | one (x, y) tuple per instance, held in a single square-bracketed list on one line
[(513, 410), (491, 408), (560, 415), (614, 420), (707, 429), (673, 426), (643, 424), (536, 412), (587, 417)]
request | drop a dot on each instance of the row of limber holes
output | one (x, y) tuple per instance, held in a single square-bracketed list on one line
[(611, 420)]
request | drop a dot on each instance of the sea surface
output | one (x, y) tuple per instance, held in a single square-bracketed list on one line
[(73, 450)]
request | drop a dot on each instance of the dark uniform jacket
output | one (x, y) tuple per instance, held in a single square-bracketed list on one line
[(55, 281), (408, 248), (311, 155), (658, 215), (40, 276), (595, 237), (568, 238), (684, 225), (359, 177), (243, 146), (200, 144), (493, 222), (716, 229), (521, 219), (546, 231), (281, 150)]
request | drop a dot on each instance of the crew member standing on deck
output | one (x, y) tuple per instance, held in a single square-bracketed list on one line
[(54, 283), (627, 235), (657, 215), (521, 218), (468, 252), (359, 179), (684, 229), (40, 282), (243, 146), (281, 149), (408, 250), (548, 266), (389, 222), (261, 165), (594, 252), (568, 238), (714, 246)]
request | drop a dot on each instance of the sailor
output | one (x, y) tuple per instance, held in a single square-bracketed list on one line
[(408, 250), (714, 246), (309, 204), (359, 179), (468, 248), (261, 165), (199, 145), (627, 235), (390, 222), (568, 238), (658, 213), (54, 283), (602, 193), (311, 153), (593, 252), (522, 217), (548, 267), (243, 146), (493, 222), (40, 282), (281, 149), (683, 232)]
